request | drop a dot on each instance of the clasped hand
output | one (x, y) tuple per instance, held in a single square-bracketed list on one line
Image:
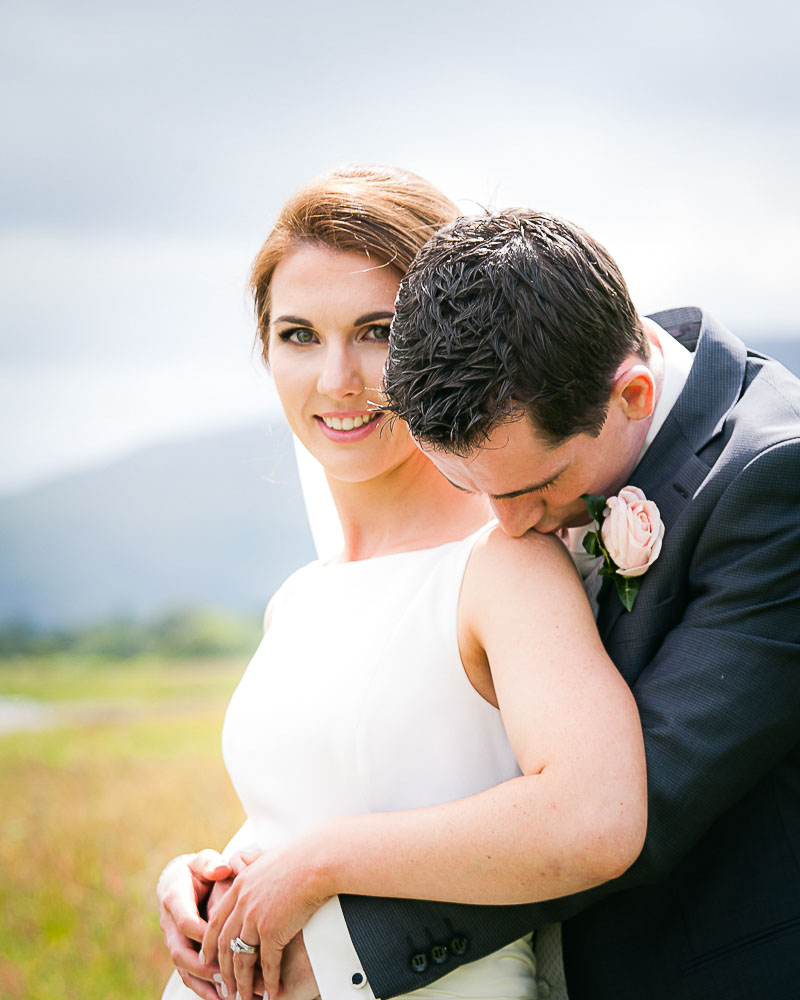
[(203, 881), (268, 903)]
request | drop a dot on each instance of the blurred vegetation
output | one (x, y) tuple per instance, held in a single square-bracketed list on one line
[(92, 812), (139, 682), (192, 632)]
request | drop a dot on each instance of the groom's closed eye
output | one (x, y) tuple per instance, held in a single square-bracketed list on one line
[(524, 491), (539, 488)]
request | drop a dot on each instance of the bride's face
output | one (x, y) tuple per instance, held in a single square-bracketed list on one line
[(328, 337)]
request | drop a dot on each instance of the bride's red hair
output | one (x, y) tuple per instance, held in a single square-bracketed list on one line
[(383, 212)]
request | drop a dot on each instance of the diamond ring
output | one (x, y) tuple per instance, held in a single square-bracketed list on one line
[(239, 947)]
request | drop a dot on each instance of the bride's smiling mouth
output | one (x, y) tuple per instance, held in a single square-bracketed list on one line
[(348, 426)]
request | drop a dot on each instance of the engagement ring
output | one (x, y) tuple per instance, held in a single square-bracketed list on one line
[(239, 947)]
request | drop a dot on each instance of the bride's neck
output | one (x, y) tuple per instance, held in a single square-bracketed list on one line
[(411, 507)]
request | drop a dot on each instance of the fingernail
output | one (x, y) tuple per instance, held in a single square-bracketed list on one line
[(238, 995), (202, 957), (217, 978), (224, 989)]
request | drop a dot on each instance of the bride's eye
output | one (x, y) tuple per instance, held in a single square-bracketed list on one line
[(297, 335), (379, 333)]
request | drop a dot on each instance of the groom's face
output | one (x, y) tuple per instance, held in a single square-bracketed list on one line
[(532, 485)]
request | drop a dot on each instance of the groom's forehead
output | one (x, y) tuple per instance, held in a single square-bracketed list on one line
[(510, 463)]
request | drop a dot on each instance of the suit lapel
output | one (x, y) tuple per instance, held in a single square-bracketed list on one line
[(670, 472)]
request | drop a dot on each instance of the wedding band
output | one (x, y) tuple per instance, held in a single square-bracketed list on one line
[(239, 947)]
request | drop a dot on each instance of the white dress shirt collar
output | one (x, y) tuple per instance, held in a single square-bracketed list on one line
[(677, 365)]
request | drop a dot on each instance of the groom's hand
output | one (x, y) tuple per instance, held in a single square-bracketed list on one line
[(183, 888), (297, 976)]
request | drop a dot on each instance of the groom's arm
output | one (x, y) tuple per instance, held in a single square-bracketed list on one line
[(719, 704), (720, 701)]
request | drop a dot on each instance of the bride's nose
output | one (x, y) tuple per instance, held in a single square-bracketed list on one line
[(341, 374)]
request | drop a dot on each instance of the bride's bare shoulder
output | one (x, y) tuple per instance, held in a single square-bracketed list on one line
[(497, 554)]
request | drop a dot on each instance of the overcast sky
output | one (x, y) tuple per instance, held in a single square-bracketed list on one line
[(148, 146)]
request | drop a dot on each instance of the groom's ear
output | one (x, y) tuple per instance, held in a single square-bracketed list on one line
[(635, 391)]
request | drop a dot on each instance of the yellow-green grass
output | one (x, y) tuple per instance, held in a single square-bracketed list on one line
[(73, 678), (91, 813)]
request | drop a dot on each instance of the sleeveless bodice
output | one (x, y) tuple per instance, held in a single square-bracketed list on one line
[(356, 699)]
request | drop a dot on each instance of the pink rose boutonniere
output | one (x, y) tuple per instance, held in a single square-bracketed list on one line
[(628, 536)]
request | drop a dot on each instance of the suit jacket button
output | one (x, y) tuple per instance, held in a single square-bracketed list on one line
[(358, 980), (439, 953), (419, 962), (459, 944)]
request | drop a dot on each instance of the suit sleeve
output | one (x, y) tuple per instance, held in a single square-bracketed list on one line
[(719, 704)]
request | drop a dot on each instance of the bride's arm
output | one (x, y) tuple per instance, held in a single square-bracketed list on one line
[(575, 818)]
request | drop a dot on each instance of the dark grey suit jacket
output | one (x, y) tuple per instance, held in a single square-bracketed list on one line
[(712, 654)]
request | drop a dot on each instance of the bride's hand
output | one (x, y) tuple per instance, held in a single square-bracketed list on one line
[(184, 886), (270, 901)]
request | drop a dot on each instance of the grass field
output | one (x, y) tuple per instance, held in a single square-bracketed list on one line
[(92, 811)]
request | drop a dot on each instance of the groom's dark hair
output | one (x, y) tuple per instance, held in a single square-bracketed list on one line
[(506, 314)]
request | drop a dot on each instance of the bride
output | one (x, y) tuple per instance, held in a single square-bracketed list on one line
[(430, 714)]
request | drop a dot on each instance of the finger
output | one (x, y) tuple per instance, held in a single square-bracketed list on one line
[(200, 986), (216, 894), (242, 859), (210, 865), (244, 966), (189, 922), (185, 957), (271, 955), (179, 865), (178, 944), (225, 957), (178, 896), (211, 939)]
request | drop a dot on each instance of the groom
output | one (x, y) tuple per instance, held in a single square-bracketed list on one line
[(524, 372)]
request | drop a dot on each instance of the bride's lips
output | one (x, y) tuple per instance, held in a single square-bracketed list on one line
[(369, 421)]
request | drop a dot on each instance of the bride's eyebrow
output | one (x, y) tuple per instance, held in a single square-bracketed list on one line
[(372, 316), (297, 320)]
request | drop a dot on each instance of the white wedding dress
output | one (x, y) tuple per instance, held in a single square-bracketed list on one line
[(356, 701)]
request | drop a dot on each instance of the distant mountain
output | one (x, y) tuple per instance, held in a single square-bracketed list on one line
[(216, 520)]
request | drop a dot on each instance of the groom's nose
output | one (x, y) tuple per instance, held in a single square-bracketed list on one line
[(518, 514)]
